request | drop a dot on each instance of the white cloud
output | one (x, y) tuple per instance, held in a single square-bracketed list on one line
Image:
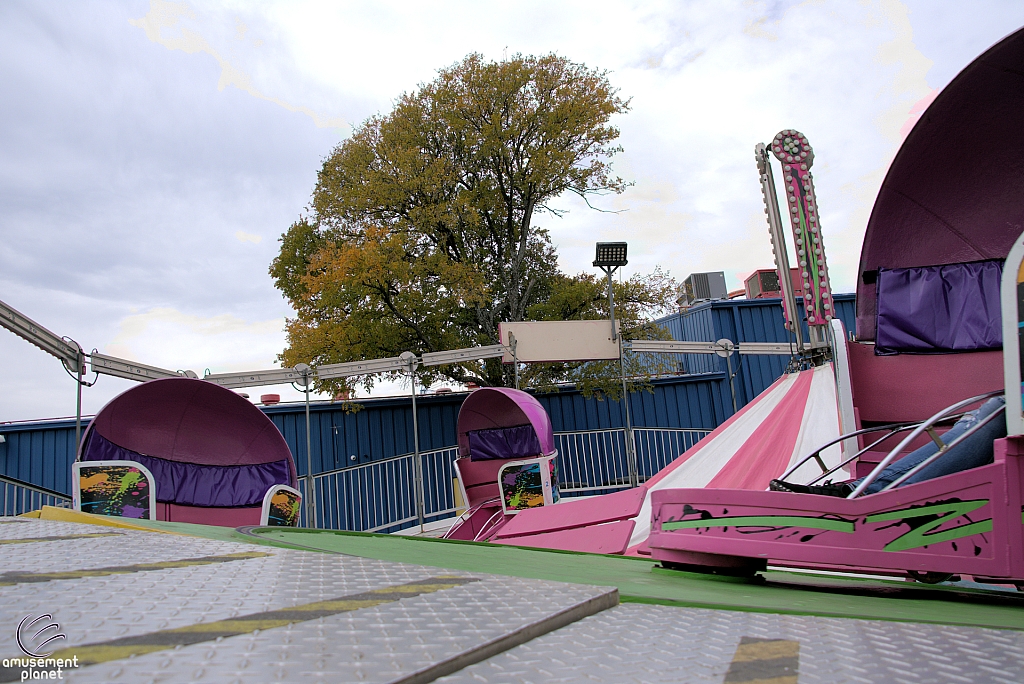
[(128, 181), (242, 236), (174, 15), (177, 341)]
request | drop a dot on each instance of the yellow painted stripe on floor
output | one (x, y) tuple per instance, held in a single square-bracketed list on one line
[(125, 647), (766, 650), (33, 540), (15, 577), (68, 515), (764, 661)]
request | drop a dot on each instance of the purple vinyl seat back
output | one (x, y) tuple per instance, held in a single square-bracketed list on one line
[(954, 193), (204, 444), (501, 420), (939, 309)]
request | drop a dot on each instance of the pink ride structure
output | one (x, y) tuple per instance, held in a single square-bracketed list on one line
[(214, 457), (506, 460), (947, 221), (940, 303)]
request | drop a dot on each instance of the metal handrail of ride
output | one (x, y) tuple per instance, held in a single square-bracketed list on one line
[(893, 428), (17, 497), (927, 426)]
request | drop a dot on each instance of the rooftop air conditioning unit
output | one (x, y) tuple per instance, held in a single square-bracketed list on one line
[(703, 287), (764, 284)]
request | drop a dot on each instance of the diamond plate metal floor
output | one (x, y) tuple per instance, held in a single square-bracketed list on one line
[(149, 607), (661, 644), (141, 606)]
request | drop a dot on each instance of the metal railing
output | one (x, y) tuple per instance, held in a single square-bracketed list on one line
[(381, 496), (17, 497), (657, 447)]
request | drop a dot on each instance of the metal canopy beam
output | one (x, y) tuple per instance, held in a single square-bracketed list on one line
[(122, 368), (460, 355), (681, 347), (770, 348), (347, 370), (672, 347), (30, 331), (273, 376)]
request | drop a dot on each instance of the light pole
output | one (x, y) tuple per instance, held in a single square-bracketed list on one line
[(609, 258)]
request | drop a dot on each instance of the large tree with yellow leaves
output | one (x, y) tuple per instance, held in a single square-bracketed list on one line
[(421, 235)]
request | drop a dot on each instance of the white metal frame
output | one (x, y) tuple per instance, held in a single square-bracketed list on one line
[(265, 513), (1011, 338), (76, 491)]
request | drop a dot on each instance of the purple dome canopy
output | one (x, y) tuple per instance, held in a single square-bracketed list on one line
[(192, 421), (955, 190), (501, 407), (204, 444)]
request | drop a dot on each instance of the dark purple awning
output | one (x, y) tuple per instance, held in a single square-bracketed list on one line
[(955, 190), (193, 421), (204, 444), (503, 407), (191, 484)]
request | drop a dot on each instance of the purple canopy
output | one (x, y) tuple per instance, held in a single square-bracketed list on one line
[(502, 407), (205, 445), (955, 190)]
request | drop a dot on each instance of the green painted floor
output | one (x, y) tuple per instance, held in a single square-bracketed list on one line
[(642, 581)]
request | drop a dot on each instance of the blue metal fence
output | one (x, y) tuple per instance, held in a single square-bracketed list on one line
[(380, 496), (40, 453)]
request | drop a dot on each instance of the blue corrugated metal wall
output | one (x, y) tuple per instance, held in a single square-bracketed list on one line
[(744, 320), (41, 453)]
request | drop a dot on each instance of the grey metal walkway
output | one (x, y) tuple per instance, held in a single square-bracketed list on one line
[(140, 606)]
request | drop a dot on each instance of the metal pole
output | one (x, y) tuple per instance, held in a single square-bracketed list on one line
[(515, 358), (778, 238), (611, 301), (732, 388), (417, 466), (311, 510), (634, 479), (78, 409)]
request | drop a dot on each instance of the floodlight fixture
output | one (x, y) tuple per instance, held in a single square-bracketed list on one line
[(123, 368), (30, 331), (610, 254), (272, 376), (461, 355), (391, 364)]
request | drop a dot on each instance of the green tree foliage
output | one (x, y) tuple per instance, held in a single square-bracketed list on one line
[(422, 232)]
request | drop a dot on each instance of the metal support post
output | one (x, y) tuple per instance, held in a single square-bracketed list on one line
[(310, 485), (78, 405), (634, 478), (634, 475), (732, 387), (410, 359), (515, 358)]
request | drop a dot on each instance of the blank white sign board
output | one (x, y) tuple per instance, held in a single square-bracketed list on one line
[(554, 341)]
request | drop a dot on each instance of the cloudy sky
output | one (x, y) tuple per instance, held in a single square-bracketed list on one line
[(151, 153)]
